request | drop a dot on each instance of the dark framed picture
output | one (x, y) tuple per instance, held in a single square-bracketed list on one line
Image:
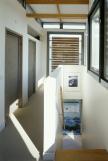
[(73, 81)]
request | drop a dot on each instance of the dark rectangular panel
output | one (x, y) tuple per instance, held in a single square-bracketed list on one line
[(12, 69), (32, 68)]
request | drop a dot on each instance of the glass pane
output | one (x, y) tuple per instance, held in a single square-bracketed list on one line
[(106, 42), (51, 26), (74, 26), (95, 26)]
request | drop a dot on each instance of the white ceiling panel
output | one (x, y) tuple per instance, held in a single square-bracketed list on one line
[(71, 9), (44, 8), (50, 20)]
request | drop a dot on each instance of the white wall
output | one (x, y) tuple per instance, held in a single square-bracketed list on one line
[(95, 113), (53, 116), (95, 107), (49, 117), (13, 17)]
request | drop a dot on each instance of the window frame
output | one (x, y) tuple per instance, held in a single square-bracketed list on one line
[(74, 33), (61, 24), (103, 44), (101, 78), (96, 5)]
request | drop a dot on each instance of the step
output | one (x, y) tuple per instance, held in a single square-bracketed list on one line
[(82, 155)]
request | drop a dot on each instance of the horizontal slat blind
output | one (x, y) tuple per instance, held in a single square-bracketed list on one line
[(64, 51)]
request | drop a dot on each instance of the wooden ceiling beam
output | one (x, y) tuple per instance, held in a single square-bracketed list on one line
[(66, 16), (58, 9), (57, 1)]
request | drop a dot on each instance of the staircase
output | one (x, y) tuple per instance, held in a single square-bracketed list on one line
[(82, 155)]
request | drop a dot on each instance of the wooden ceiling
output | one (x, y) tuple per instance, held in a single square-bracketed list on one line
[(57, 1)]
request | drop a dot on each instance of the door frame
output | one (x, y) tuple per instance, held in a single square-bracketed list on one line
[(34, 40), (20, 63)]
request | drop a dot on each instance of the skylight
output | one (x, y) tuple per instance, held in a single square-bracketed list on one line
[(74, 26), (51, 26)]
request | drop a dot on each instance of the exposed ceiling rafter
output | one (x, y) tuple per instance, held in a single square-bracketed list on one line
[(57, 1), (60, 16)]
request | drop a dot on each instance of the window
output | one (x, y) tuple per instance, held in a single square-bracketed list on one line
[(65, 49), (98, 39), (51, 25), (74, 26), (94, 39), (64, 25)]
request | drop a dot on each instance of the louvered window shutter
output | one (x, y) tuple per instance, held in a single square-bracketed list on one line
[(65, 51)]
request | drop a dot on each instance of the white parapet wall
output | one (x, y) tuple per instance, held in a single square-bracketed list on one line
[(49, 117), (52, 114)]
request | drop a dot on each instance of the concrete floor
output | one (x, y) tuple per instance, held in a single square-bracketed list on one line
[(12, 147), (31, 119)]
